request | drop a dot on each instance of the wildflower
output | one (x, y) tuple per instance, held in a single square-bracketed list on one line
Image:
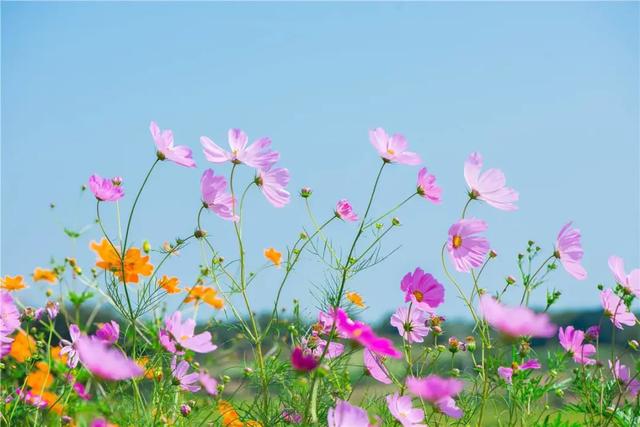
[(439, 391), (345, 212), (9, 322), (214, 195), (178, 336), (11, 284), (623, 375), (427, 186), (178, 154), (209, 383), (592, 333), (46, 275), (489, 186), (104, 189), (41, 378), (630, 282), (291, 417), (201, 293), (515, 321), (506, 373), (355, 298), (364, 335), (374, 364), (466, 248), (106, 362), (134, 264), (423, 290), (274, 256), (169, 284), (402, 410), (101, 422), (81, 391), (70, 347), (23, 347), (616, 310), (346, 415), (272, 183), (257, 155), (392, 149), (46, 399), (569, 251), (303, 361), (230, 417), (572, 341), (55, 354), (185, 410), (109, 332), (317, 345), (411, 324)]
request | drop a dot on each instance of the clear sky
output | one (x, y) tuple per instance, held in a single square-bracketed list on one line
[(548, 92)]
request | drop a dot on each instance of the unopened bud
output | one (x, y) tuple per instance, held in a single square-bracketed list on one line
[(49, 292), (146, 246), (510, 280), (305, 192), (185, 410), (471, 343), (493, 254), (199, 234), (395, 221)]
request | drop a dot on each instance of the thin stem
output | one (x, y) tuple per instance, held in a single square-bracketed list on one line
[(390, 211)]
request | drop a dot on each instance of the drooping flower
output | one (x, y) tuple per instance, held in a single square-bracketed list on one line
[(22, 347), (423, 290), (345, 212), (411, 324), (11, 284), (205, 294), (569, 251), (257, 155), (392, 149), (515, 321), (427, 186), (186, 381), (364, 335), (303, 361), (109, 332), (355, 298), (178, 154), (214, 196), (623, 375), (104, 189), (466, 248), (506, 373), (374, 364), (169, 284), (274, 256), (402, 410), (272, 183), (489, 186), (106, 362), (209, 383), (571, 340), (70, 347), (177, 336), (631, 281), (439, 391), (616, 310), (108, 258), (46, 275), (346, 415)]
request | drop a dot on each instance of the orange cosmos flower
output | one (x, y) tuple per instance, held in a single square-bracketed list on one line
[(274, 256), (169, 284), (230, 417), (55, 354), (51, 399), (12, 283), (46, 275), (143, 362), (356, 299), (22, 347), (201, 293), (134, 263), (40, 379)]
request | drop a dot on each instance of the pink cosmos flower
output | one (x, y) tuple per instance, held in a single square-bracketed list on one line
[(489, 186), (375, 365), (616, 310), (427, 186), (9, 321), (364, 335), (81, 391), (623, 375), (392, 149), (209, 383), (423, 290), (187, 382), (214, 196), (439, 391), (569, 251), (178, 336), (272, 183), (303, 361), (507, 373), (631, 281), (109, 332), (257, 155), (178, 154), (345, 212), (515, 321), (411, 324), (467, 250), (316, 346), (104, 189), (572, 341), (346, 415), (106, 362), (402, 409), (70, 348)]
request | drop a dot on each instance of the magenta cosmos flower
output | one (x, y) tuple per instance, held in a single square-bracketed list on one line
[(571, 340), (631, 281), (402, 410), (257, 155), (623, 375), (423, 290), (466, 248), (364, 335), (616, 310), (392, 149), (302, 360), (439, 391), (569, 251), (106, 362), (109, 332), (427, 186), (489, 186), (186, 381), (515, 321), (9, 321), (345, 212), (209, 383), (178, 154), (316, 346), (346, 415), (374, 364), (104, 189), (411, 324), (506, 373), (70, 348), (272, 183), (178, 336), (214, 195)]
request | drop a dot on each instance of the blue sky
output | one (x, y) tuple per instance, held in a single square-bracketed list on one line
[(548, 92)]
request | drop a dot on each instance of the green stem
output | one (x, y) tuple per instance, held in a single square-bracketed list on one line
[(390, 211)]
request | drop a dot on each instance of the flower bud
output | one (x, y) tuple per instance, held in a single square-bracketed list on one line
[(454, 345), (305, 192), (510, 280), (303, 236), (395, 221), (117, 181), (455, 372), (49, 292), (226, 379), (592, 333), (524, 349), (146, 246), (248, 371), (471, 343), (185, 410), (493, 254), (66, 420), (199, 234), (441, 348), (634, 344)]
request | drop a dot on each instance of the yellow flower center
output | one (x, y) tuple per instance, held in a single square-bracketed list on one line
[(357, 333), (457, 241), (390, 151), (419, 295)]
